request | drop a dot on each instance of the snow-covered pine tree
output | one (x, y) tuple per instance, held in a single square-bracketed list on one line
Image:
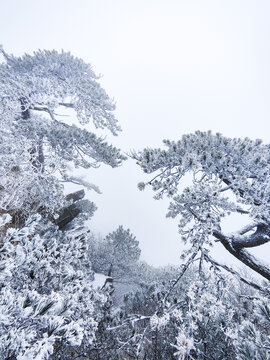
[(116, 254), (47, 302), (229, 176), (36, 143)]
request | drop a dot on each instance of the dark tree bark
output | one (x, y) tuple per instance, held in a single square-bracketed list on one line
[(243, 255), (68, 213)]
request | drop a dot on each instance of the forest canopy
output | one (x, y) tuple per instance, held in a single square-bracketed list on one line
[(51, 306)]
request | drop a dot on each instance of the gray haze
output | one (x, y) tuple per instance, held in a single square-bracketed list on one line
[(173, 67)]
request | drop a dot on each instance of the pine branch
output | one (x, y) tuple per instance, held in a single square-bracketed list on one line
[(236, 274)]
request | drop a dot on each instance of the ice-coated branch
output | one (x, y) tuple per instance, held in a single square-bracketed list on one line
[(182, 272), (68, 105), (129, 321), (247, 228), (80, 181), (46, 109), (259, 237), (236, 274), (243, 255)]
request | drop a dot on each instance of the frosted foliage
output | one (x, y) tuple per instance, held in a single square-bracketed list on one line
[(220, 319), (229, 176), (208, 316), (22, 188), (117, 254), (37, 147), (157, 322), (46, 294), (49, 78), (183, 345), (123, 245), (253, 341)]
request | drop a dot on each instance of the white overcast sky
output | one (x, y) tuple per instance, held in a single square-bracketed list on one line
[(172, 67)]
